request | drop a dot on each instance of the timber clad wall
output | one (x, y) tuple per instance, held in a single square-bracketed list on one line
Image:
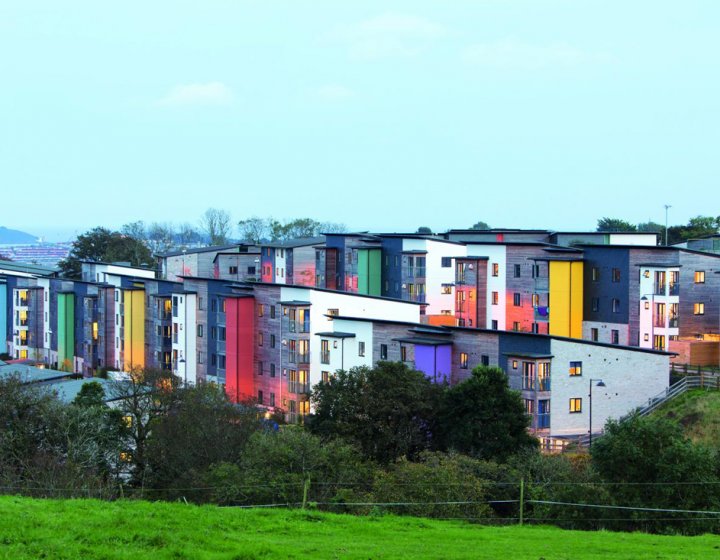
[(691, 293)]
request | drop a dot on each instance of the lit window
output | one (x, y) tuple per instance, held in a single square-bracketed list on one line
[(699, 276), (447, 288), (575, 369), (516, 326), (463, 360), (575, 405), (514, 364), (699, 309), (495, 298), (261, 310), (595, 274), (495, 269)]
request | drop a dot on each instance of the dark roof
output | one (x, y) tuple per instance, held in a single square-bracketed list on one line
[(424, 341), (499, 230), (208, 249), (659, 265), (336, 334), (528, 355), (294, 303), (119, 265), (28, 268), (292, 243), (515, 333), (414, 252)]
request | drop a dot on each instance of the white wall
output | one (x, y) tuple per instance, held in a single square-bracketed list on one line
[(350, 305), (95, 272), (631, 377), (280, 263), (186, 345), (633, 239), (348, 356), (436, 275), (604, 332)]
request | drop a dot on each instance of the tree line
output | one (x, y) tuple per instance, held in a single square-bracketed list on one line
[(699, 226), (381, 440)]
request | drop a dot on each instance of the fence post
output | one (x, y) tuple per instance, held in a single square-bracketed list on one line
[(306, 487), (522, 501)]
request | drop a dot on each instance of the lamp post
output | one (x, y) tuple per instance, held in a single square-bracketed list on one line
[(667, 206), (600, 383)]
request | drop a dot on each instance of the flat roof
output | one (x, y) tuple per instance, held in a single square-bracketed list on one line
[(336, 334), (208, 249), (529, 355), (422, 341), (293, 243), (28, 268)]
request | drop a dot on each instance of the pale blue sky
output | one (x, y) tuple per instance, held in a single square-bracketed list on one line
[(385, 115)]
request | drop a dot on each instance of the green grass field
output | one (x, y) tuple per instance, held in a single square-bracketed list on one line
[(91, 529), (698, 412)]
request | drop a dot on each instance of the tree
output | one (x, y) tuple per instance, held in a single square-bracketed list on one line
[(424, 230), (143, 397), (102, 245), (481, 226), (484, 418), (651, 227), (332, 227), (216, 224), (276, 466), (90, 394), (199, 428), (254, 229), (614, 224), (187, 235), (388, 411), (650, 463), (699, 226), (136, 230), (160, 238)]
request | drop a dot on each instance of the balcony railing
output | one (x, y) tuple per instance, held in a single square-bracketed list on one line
[(674, 289), (659, 288), (414, 271), (659, 321), (542, 284), (673, 323), (544, 384), (298, 388), (325, 357), (542, 420), (303, 358)]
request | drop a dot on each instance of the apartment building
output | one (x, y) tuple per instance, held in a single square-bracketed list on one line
[(553, 374), (199, 262), (292, 262)]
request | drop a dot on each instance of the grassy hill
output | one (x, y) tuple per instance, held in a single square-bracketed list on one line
[(698, 411), (91, 529)]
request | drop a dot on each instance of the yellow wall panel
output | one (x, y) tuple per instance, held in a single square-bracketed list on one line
[(566, 298), (134, 329)]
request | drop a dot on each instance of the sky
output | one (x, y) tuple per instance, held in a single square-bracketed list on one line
[(383, 115)]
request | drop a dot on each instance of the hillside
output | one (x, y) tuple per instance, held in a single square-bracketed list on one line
[(15, 237), (698, 411), (126, 529)]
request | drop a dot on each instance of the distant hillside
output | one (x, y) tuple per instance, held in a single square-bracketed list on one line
[(698, 412), (15, 237)]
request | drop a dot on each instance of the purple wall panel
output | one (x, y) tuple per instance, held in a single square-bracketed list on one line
[(434, 361)]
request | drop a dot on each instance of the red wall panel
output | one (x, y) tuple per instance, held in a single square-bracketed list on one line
[(239, 346)]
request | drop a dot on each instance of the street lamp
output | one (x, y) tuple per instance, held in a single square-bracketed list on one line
[(600, 383), (667, 207)]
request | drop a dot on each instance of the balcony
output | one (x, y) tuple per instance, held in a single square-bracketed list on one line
[(659, 288), (659, 321), (298, 388), (542, 284), (674, 289), (673, 323), (324, 357), (414, 271), (303, 358), (542, 421), (544, 384), (299, 326)]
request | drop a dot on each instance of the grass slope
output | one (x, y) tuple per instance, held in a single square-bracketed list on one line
[(91, 529), (698, 411)]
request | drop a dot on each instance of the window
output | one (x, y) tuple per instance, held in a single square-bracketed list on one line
[(495, 269), (615, 336), (535, 328), (213, 333), (272, 311), (659, 342), (324, 351), (699, 276), (383, 351), (485, 360), (325, 376), (213, 305), (595, 274), (200, 358), (463, 360), (575, 369), (403, 353), (446, 262), (514, 364), (495, 298), (616, 305), (616, 275), (233, 270), (221, 361), (272, 370), (260, 369), (575, 405), (516, 271), (594, 335), (272, 399), (494, 324), (446, 289), (222, 333), (699, 309), (332, 313), (200, 331), (261, 339), (595, 304), (516, 299), (272, 341), (646, 337), (213, 360), (361, 349), (260, 397), (261, 310)]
